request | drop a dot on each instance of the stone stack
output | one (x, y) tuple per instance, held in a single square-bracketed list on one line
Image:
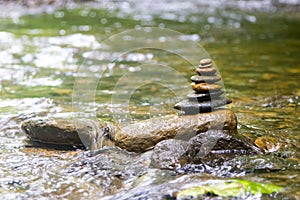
[(208, 94)]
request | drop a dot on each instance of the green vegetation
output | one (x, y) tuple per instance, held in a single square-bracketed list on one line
[(231, 188)]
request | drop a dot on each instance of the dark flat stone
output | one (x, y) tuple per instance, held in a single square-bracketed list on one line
[(205, 96), (194, 107), (51, 131), (205, 79)]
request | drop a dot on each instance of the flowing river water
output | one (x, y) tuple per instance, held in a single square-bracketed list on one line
[(255, 45)]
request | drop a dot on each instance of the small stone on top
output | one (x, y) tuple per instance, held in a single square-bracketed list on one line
[(205, 61)]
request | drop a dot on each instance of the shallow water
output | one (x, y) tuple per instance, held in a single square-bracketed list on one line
[(254, 44)]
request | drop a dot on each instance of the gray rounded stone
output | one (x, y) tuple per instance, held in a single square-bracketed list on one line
[(205, 79), (205, 61), (206, 71)]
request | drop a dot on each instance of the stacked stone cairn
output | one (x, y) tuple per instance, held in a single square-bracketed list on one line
[(208, 94)]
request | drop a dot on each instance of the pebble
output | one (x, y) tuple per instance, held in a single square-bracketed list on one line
[(205, 79), (205, 61), (194, 107), (205, 66), (206, 71), (205, 96), (204, 87)]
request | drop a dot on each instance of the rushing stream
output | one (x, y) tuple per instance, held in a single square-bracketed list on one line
[(45, 49)]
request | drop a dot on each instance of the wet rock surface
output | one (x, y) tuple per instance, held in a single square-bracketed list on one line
[(144, 135)]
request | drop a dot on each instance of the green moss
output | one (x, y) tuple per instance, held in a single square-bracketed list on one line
[(231, 188)]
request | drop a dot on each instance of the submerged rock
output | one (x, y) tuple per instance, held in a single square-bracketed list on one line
[(214, 147), (258, 164), (62, 131), (211, 148), (144, 135), (268, 144), (167, 154)]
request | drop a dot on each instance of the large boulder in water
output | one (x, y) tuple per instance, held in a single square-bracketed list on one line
[(63, 131), (144, 135), (51, 131)]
